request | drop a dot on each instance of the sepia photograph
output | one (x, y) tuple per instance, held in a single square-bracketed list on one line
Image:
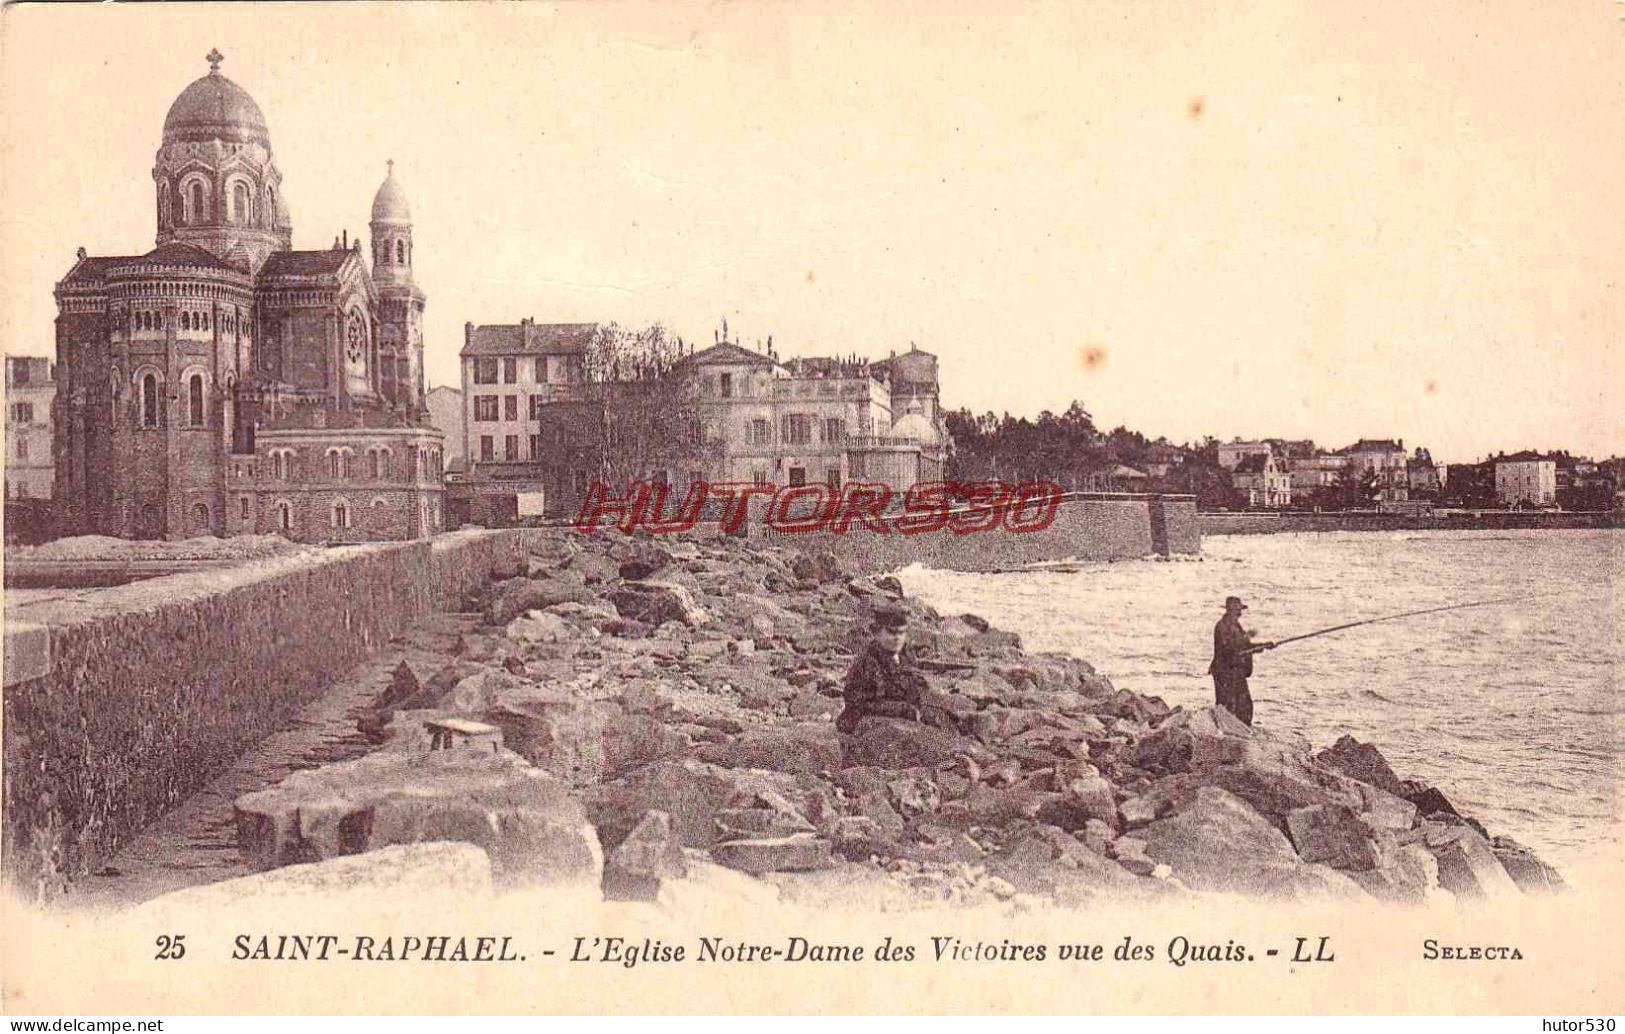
[(826, 508)]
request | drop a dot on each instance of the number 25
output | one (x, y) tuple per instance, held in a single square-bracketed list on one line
[(171, 947)]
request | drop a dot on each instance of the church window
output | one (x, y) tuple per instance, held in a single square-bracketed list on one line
[(242, 505), (400, 251), (149, 400), (242, 208), (332, 463), (388, 462), (284, 516), (194, 203), (349, 463), (374, 464), (341, 514), (200, 517), (186, 321), (194, 400)]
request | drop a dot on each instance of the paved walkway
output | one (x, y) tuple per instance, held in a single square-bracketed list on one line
[(197, 842)]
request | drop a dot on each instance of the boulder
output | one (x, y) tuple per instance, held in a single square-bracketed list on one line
[(1468, 866), (1361, 761), (797, 852), (513, 598), (1335, 835), (899, 743), (647, 560), (691, 792), (655, 603), (1045, 860), (1532, 875), (1218, 843), (1409, 875), (527, 822), (1428, 801), (1188, 740), (538, 627), (650, 854)]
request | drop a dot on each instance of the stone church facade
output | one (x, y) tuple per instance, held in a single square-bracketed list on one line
[(224, 383)]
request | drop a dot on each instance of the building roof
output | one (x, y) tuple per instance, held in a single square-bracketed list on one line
[(389, 204), (215, 108), (96, 267), (726, 354), (1375, 445), (1526, 456), (305, 263), (528, 338), (445, 387), (1253, 463)]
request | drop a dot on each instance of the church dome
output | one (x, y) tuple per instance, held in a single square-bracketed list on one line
[(914, 425), (215, 108), (389, 204)]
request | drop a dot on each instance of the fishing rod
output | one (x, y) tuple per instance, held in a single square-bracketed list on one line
[(1388, 617)]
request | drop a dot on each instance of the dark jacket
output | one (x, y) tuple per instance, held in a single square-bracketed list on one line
[(1230, 645), (880, 684)]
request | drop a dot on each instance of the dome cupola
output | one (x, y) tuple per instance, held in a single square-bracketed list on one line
[(215, 108)]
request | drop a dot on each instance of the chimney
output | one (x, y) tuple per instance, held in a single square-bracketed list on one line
[(346, 240)]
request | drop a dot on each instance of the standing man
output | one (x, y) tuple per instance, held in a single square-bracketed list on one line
[(1233, 651)]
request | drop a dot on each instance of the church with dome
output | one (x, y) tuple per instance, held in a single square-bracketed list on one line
[(227, 383)]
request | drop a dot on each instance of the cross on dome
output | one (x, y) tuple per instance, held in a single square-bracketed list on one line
[(214, 57)]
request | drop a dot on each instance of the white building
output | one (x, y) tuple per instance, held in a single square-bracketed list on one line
[(1525, 479), (30, 389)]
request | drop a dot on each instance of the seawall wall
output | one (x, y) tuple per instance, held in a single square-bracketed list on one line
[(1450, 520), (119, 706)]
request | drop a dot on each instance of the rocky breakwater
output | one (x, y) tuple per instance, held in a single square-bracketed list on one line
[(673, 704)]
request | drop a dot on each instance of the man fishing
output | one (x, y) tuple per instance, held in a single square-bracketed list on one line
[(1233, 651)]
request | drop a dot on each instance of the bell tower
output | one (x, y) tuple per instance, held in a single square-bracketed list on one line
[(400, 328)]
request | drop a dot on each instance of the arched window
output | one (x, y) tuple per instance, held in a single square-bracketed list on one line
[(194, 400), (242, 206), (186, 321), (332, 463), (243, 504), (400, 251), (194, 203), (388, 463), (205, 321), (284, 516), (374, 464), (349, 463), (200, 517), (149, 400), (341, 514)]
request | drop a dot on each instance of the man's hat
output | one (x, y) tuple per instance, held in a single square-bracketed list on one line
[(1234, 602), (890, 619)]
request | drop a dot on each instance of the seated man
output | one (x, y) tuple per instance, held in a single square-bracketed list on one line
[(880, 682)]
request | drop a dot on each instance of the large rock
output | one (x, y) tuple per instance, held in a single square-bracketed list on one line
[(1188, 740), (805, 747), (797, 852), (1409, 875), (1335, 835), (1532, 875), (1468, 867), (898, 743), (1218, 843), (1044, 860), (691, 792), (527, 822), (1361, 761), (538, 627), (655, 603), (513, 598), (649, 855)]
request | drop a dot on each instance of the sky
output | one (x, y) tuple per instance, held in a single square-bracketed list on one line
[(1325, 221)]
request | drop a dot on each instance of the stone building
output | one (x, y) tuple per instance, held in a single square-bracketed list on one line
[(30, 390), (1387, 459), (226, 383), (1526, 479)]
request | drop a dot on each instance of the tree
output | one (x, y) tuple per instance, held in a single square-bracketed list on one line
[(647, 405)]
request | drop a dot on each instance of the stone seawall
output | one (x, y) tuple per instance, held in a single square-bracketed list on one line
[(1087, 526), (1494, 520), (121, 704)]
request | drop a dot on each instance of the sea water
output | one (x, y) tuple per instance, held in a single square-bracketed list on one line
[(1511, 709)]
